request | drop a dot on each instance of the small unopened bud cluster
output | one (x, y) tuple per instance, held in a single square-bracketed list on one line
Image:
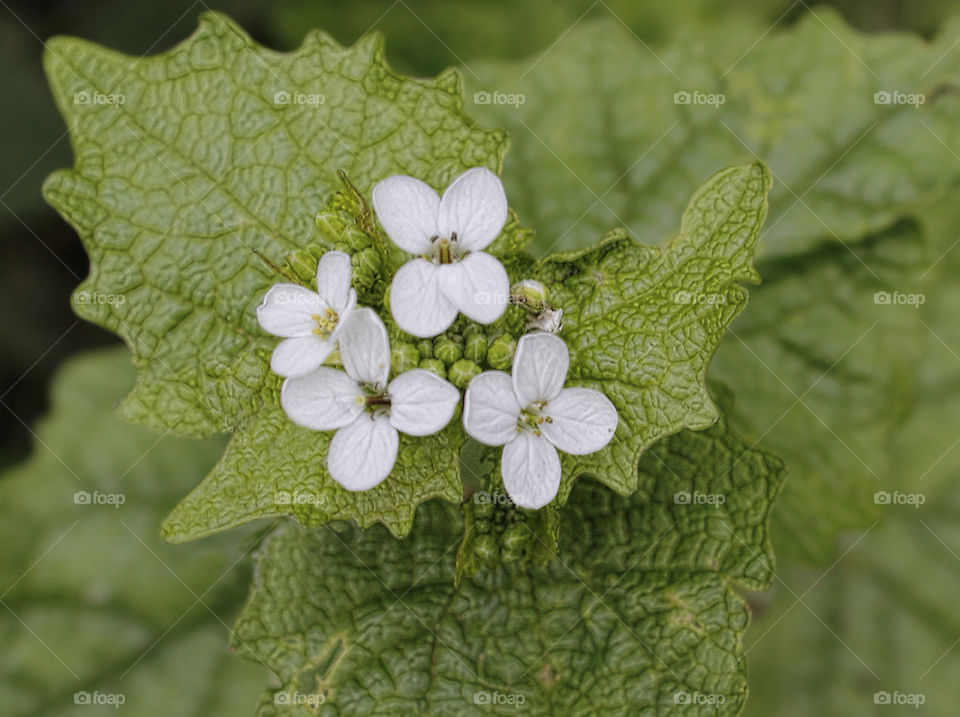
[(456, 356), (501, 533)]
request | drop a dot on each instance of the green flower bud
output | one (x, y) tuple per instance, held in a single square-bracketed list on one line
[(404, 357), (529, 294), (303, 264), (500, 352), (514, 542), (425, 347), (486, 548), (475, 347), (447, 350), (346, 202), (331, 225), (462, 371), (366, 268), (354, 239), (435, 366)]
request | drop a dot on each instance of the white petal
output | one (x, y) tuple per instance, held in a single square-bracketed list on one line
[(421, 403), (477, 285), (362, 454), (582, 421), (322, 400), (475, 207), (333, 280), (407, 208), (416, 302), (539, 367), (288, 310), (531, 470), (299, 355), (365, 348), (490, 409)]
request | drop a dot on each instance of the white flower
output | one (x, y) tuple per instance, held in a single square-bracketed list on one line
[(531, 415), (365, 411), (309, 321), (451, 274)]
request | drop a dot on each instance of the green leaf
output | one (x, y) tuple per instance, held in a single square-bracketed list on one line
[(599, 140), (638, 607), (93, 600), (882, 620), (201, 163), (273, 467), (272, 464), (642, 323), (890, 595), (827, 375)]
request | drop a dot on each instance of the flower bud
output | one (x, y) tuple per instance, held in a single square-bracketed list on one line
[(514, 542), (530, 294), (303, 264), (331, 225), (486, 548), (346, 202), (404, 357), (366, 268), (475, 345), (353, 239), (447, 350), (500, 352), (425, 347), (434, 366), (461, 372)]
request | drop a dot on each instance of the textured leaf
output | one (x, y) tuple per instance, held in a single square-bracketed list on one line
[(882, 621), (890, 599), (637, 609), (826, 376), (200, 164), (642, 323), (93, 600), (616, 298), (599, 140)]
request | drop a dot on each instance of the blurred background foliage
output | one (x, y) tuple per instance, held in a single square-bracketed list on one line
[(814, 647)]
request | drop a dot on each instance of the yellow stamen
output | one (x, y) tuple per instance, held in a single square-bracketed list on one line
[(326, 323)]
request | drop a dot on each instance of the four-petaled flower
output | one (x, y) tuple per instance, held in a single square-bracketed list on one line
[(532, 415), (363, 408), (451, 273), (309, 321)]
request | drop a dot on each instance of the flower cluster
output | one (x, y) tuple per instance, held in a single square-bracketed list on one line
[(529, 413)]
